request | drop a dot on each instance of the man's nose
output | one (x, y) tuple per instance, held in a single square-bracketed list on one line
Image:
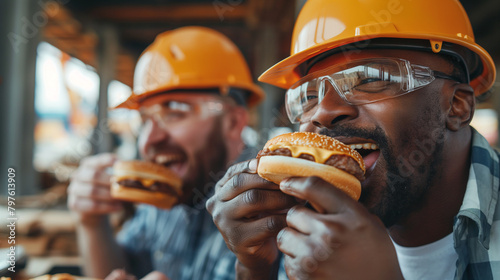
[(153, 132), (333, 109)]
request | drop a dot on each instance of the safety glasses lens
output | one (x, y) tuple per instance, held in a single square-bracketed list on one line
[(358, 82)]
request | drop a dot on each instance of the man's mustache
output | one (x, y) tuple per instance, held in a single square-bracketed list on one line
[(151, 152), (376, 134)]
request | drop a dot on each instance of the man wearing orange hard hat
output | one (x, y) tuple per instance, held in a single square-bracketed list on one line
[(192, 88), (401, 76)]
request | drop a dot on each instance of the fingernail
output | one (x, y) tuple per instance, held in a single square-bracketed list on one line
[(285, 184), (279, 237), (252, 165)]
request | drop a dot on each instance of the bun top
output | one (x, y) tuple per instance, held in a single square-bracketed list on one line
[(314, 140), (61, 276), (146, 170)]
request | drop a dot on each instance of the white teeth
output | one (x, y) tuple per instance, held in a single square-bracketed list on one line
[(163, 159), (366, 146)]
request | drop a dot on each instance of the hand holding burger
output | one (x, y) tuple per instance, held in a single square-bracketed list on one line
[(302, 154), (330, 241), (145, 182)]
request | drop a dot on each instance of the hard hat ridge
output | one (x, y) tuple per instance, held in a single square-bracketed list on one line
[(191, 58)]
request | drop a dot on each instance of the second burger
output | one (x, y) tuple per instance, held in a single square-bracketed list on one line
[(145, 182)]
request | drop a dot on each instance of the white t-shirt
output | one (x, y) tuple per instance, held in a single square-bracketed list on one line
[(436, 260)]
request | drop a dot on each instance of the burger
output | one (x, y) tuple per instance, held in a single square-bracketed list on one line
[(61, 276), (303, 154), (145, 182)]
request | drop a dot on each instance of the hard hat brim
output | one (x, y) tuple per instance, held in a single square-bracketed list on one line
[(134, 101), (286, 72)]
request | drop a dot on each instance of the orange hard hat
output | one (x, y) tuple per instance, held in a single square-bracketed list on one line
[(325, 25), (190, 58)]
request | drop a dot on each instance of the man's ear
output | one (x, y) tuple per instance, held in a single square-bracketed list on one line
[(462, 104), (236, 119)]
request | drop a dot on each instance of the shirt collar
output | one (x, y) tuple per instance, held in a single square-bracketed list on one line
[(481, 194)]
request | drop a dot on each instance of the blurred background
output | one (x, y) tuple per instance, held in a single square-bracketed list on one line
[(64, 62)]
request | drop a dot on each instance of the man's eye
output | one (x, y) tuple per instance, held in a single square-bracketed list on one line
[(372, 85), (174, 115), (310, 102), (311, 95), (368, 81)]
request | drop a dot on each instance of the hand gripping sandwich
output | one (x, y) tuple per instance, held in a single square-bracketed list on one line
[(145, 182), (60, 276), (302, 154)]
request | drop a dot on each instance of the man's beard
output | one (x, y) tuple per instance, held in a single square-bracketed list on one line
[(406, 191), (402, 193), (211, 161)]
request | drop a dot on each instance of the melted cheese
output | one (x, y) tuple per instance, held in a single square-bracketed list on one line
[(320, 155), (145, 182)]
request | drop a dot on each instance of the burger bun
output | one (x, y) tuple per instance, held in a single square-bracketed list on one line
[(276, 168), (145, 172)]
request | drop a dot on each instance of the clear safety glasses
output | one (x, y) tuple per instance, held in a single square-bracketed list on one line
[(358, 82), (174, 112)]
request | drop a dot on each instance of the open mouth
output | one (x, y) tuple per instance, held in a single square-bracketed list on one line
[(369, 151), (365, 148), (174, 162), (166, 160)]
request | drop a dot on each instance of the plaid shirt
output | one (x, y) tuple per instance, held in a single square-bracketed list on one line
[(183, 243), (477, 226)]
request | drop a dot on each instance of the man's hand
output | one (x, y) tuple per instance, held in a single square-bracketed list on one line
[(249, 212), (120, 274), (155, 275), (89, 191), (340, 240), (90, 198)]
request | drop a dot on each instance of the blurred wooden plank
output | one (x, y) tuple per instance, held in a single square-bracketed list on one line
[(211, 12), (62, 29)]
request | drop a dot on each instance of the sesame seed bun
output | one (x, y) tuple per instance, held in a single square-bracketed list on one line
[(276, 165)]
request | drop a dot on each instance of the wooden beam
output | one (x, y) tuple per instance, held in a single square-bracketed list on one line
[(63, 29), (211, 12), (83, 40)]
